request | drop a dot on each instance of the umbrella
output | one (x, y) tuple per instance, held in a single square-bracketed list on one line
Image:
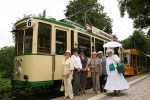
[(112, 44)]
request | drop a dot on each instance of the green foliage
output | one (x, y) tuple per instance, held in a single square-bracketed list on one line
[(138, 10), (94, 13), (6, 60), (138, 41), (148, 34)]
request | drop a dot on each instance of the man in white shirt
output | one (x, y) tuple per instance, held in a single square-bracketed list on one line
[(76, 72)]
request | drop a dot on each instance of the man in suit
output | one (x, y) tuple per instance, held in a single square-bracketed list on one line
[(104, 73)]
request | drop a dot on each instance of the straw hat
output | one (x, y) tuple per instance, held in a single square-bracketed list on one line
[(94, 53), (109, 50), (67, 51)]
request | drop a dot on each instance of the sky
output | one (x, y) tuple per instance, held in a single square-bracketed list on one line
[(11, 10)]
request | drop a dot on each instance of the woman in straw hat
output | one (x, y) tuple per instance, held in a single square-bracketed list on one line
[(96, 69), (67, 71), (115, 80)]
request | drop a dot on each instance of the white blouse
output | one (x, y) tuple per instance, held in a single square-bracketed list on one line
[(77, 61)]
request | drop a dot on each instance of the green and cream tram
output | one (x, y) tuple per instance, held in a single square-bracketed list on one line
[(40, 44)]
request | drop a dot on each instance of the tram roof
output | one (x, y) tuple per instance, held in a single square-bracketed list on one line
[(63, 24)]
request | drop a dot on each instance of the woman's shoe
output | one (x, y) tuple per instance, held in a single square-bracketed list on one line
[(119, 93), (114, 93), (65, 97), (82, 92), (71, 98)]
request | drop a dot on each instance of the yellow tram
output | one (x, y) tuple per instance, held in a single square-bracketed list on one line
[(134, 62), (40, 44)]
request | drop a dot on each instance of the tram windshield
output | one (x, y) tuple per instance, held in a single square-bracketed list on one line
[(126, 58), (23, 39)]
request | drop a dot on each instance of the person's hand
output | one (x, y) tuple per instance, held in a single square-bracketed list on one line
[(92, 66), (68, 75), (84, 69), (100, 74), (78, 70)]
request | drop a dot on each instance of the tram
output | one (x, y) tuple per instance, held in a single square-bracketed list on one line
[(135, 62), (40, 44)]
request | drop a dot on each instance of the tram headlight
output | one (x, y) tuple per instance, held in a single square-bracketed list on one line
[(18, 71)]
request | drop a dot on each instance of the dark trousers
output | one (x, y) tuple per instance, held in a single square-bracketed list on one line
[(102, 82), (76, 83)]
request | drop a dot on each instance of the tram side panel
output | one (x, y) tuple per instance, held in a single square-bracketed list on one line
[(37, 68)]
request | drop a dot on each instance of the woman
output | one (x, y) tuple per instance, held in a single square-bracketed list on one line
[(96, 69), (76, 72), (67, 71), (115, 80), (83, 78)]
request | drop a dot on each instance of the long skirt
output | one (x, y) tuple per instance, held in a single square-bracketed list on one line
[(116, 81)]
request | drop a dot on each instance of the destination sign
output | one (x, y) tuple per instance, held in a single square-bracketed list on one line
[(99, 32)]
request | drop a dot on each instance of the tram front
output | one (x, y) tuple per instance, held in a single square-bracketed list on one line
[(31, 68)]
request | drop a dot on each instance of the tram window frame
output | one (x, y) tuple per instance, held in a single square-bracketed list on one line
[(62, 40), (28, 39), (44, 39), (81, 40), (97, 44)]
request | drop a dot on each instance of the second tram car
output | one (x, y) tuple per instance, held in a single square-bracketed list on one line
[(135, 62)]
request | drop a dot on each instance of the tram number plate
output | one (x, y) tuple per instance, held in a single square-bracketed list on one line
[(30, 22)]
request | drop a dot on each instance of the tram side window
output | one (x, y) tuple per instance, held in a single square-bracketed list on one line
[(28, 41), (44, 38), (72, 40), (138, 60), (61, 41), (131, 60), (99, 45), (20, 41), (84, 43), (126, 58)]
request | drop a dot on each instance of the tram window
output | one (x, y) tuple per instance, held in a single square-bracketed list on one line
[(44, 38), (20, 41), (99, 45), (126, 58), (72, 40), (131, 60), (84, 43), (28, 41), (138, 60), (61, 41), (92, 44)]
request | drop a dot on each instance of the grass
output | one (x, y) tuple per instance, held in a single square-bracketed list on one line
[(7, 85)]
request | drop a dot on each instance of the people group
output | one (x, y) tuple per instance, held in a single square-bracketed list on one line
[(104, 73)]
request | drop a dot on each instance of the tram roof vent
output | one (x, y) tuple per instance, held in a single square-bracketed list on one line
[(67, 21)]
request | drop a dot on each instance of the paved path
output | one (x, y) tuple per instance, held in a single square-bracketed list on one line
[(139, 90)]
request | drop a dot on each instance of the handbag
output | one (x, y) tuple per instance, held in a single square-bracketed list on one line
[(120, 68), (62, 88), (111, 67)]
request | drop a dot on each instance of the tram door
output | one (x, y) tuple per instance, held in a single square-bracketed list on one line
[(61, 45)]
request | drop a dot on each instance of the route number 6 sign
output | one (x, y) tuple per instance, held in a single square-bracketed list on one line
[(30, 22)]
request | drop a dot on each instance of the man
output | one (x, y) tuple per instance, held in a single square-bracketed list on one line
[(104, 73)]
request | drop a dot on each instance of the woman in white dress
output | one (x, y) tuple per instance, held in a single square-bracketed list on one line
[(115, 80)]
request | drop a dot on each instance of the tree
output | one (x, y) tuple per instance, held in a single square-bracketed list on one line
[(138, 10), (137, 41), (77, 9), (6, 60)]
